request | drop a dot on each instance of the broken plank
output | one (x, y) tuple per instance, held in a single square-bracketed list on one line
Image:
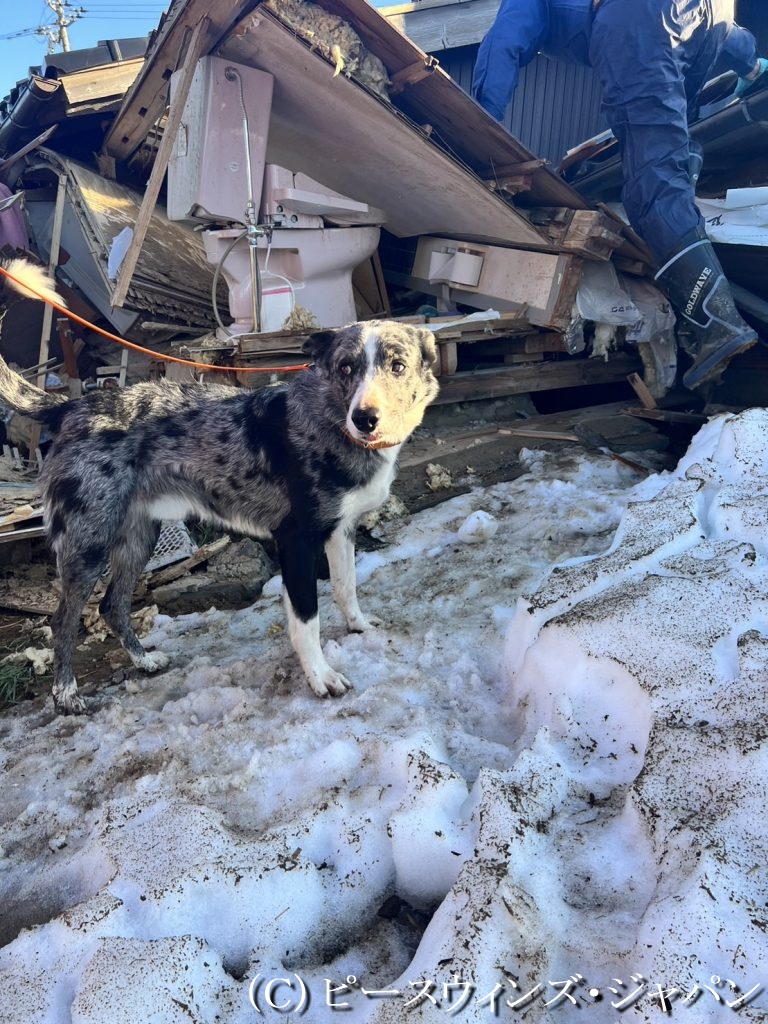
[(514, 184), (449, 357), (513, 169), (411, 74), (22, 533), (640, 388), (435, 451), (587, 232), (174, 572), (540, 435), (21, 514), (667, 415)]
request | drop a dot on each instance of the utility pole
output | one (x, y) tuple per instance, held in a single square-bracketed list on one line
[(66, 15)]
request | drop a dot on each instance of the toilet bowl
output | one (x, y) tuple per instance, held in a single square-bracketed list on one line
[(307, 267)]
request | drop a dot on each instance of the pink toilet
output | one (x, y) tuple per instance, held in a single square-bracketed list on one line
[(317, 237)]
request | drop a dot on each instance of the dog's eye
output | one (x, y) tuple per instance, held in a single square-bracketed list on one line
[(398, 367), (345, 369)]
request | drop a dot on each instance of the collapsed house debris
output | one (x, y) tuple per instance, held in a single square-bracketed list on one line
[(427, 163), (267, 168)]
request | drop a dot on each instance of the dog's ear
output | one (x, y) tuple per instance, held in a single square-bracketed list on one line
[(428, 345), (318, 346)]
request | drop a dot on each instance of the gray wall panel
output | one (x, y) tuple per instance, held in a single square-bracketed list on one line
[(555, 106)]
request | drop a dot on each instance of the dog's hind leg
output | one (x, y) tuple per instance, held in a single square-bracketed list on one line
[(299, 557), (130, 553), (78, 576), (340, 549)]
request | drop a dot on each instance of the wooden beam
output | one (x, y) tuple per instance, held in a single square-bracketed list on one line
[(668, 416), (587, 232), (128, 265), (147, 98), (633, 246), (548, 376), (640, 388), (516, 168), (53, 260), (40, 140), (173, 572), (412, 74), (514, 184)]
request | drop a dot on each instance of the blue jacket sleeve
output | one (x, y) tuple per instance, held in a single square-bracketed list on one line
[(740, 50), (511, 43)]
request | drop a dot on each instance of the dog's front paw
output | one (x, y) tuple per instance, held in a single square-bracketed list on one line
[(151, 661), (361, 623), (329, 683)]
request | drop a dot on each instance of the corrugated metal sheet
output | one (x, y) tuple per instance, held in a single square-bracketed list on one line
[(555, 106)]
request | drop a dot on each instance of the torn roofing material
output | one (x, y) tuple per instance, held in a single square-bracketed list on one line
[(171, 287)]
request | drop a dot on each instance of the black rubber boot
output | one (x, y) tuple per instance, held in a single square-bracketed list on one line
[(697, 288)]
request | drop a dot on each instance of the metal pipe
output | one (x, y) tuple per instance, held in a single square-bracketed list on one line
[(251, 209)]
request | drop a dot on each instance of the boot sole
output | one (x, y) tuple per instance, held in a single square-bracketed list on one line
[(713, 366)]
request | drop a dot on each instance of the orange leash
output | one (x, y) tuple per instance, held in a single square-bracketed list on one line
[(148, 351)]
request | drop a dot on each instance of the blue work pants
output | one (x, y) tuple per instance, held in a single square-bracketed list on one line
[(652, 58)]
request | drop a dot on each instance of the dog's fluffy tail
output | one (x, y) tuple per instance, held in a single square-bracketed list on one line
[(32, 282)]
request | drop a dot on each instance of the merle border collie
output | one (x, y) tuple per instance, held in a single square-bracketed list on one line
[(298, 461)]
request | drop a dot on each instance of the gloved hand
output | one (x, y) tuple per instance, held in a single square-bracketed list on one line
[(746, 83)]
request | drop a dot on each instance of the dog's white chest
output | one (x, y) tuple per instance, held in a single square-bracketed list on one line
[(375, 492)]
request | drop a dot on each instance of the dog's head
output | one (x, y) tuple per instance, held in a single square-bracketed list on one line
[(379, 374)]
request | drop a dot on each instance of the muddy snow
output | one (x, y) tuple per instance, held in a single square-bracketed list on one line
[(544, 799)]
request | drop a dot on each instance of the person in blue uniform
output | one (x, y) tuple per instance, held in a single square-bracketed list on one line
[(652, 58)]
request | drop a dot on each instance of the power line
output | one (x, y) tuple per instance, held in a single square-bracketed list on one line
[(55, 32), (66, 15), (22, 32), (105, 10)]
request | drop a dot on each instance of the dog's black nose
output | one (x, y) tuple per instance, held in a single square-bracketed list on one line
[(365, 419)]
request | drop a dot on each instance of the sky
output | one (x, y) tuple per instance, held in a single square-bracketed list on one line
[(21, 48), (543, 800)]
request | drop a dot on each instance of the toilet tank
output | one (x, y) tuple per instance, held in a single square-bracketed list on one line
[(207, 171)]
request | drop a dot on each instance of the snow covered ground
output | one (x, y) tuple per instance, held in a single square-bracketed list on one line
[(544, 800)]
